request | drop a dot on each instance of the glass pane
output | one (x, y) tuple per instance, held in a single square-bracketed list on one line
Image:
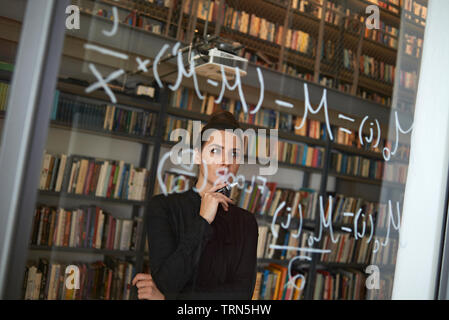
[(327, 89), (9, 40)]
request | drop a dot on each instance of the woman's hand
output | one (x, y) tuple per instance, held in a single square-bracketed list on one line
[(146, 287), (210, 201)]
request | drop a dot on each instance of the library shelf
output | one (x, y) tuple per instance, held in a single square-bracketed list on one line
[(377, 182), (78, 88), (105, 133), (294, 222), (126, 253), (319, 264), (281, 134), (90, 197)]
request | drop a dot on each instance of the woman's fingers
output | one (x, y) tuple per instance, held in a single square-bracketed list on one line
[(223, 197), (217, 187), (141, 276), (145, 293), (150, 293), (144, 283)]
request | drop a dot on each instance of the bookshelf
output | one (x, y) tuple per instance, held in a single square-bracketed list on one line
[(280, 54)]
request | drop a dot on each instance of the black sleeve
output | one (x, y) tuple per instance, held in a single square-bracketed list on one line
[(242, 285), (171, 263)]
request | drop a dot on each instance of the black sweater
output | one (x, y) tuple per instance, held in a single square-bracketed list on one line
[(227, 260)]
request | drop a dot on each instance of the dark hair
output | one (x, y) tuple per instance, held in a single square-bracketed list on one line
[(220, 120)]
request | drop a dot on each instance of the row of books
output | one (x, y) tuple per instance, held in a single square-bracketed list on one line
[(173, 123), (4, 90), (295, 71), (402, 151), (314, 8), (273, 283), (364, 66), (342, 204), (336, 14), (387, 252), (131, 18), (386, 35), (376, 69), (415, 11), (259, 27), (352, 140), (413, 45), (265, 202), (104, 117), (356, 165), (346, 249), (349, 59), (185, 98), (174, 183), (108, 280), (378, 211), (335, 83), (301, 154), (286, 240), (84, 227), (390, 5), (339, 285), (395, 172), (408, 80), (84, 175), (374, 96)]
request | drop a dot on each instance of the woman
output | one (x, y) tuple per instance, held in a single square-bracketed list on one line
[(201, 245)]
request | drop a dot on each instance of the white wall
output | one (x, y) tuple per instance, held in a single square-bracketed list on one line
[(425, 193)]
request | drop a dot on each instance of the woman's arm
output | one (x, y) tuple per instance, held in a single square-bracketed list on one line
[(172, 264)]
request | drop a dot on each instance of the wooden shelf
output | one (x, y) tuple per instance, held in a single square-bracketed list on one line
[(104, 133), (357, 151), (380, 183), (307, 62), (282, 134), (107, 252), (388, 16), (90, 197), (294, 222), (320, 264), (98, 132), (68, 86)]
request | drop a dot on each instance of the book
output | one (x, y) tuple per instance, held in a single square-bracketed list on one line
[(108, 280)]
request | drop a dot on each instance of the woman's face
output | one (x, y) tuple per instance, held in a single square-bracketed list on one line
[(222, 154)]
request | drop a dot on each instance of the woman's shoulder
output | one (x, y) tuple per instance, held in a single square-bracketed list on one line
[(171, 198)]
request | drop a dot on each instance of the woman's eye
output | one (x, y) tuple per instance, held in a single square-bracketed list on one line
[(214, 150)]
